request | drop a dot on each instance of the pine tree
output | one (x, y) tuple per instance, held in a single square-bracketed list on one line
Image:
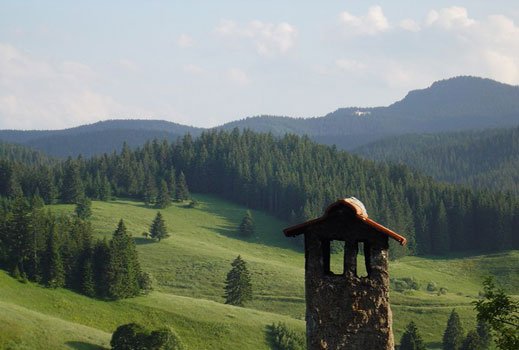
[(411, 339), (247, 227), (483, 331), (83, 207), (150, 190), (105, 192), (101, 261), (441, 241), (123, 267), (238, 288), (88, 283), (158, 228), (453, 335), (172, 183), (72, 187), (472, 341), (182, 192), (163, 199), (54, 270), (19, 237)]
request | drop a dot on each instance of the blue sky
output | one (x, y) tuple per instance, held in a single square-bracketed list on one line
[(203, 63)]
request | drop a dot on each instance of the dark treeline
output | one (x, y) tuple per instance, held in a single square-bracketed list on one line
[(292, 178), (24, 154), (481, 159), (59, 251)]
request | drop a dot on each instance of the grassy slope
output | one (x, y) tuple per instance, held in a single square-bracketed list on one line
[(189, 269)]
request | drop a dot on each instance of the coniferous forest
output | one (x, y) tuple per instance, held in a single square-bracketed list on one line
[(291, 177)]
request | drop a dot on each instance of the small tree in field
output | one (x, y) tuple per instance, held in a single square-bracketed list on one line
[(247, 228), (453, 335), (411, 339), (158, 228), (472, 341), (238, 288)]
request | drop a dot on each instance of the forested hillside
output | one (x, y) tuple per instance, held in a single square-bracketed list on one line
[(290, 177), (98, 138), (24, 154), (482, 159)]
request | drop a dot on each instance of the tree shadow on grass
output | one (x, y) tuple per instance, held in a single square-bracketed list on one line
[(434, 345), (79, 345), (270, 336), (231, 231), (142, 240)]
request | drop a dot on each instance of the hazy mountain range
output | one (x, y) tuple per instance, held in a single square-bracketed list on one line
[(460, 103)]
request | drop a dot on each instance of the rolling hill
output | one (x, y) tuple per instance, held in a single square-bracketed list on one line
[(458, 103), (188, 270)]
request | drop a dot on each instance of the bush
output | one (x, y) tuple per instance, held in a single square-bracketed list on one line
[(286, 339), (133, 336), (432, 287), (405, 283)]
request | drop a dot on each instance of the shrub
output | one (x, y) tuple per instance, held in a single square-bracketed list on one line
[(432, 287), (286, 339)]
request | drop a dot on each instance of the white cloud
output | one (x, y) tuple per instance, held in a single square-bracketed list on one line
[(185, 41), (128, 64), (409, 24), (193, 68), (374, 22), (349, 65), (268, 39), (448, 41), (238, 76), (449, 18), (39, 94), (487, 47)]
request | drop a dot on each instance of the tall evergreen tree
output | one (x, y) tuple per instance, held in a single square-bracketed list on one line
[(54, 271), (247, 227), (238, 287), (163, 199), (101, 262), (88, 283), (18, 235), (172, 183), (150, 190), (453, 335), (485, 336), (72, 187), (83, 207), (472, 341), (182, 192), (158, 228), (411, 339), (105, 192), (123, 267)]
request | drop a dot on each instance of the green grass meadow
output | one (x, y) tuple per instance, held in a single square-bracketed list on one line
[(188, 271)]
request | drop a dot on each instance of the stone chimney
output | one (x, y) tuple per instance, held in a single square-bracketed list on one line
[(347, 311)]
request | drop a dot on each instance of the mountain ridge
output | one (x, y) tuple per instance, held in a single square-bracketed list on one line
[(453, 104)]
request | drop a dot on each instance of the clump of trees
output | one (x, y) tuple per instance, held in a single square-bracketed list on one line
[(59, 251), (238, 287), (133, 336)]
